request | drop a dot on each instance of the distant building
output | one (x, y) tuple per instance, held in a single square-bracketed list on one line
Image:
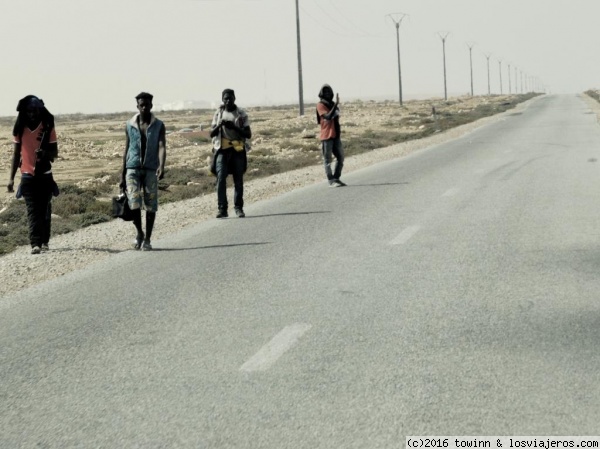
[(183, 105)]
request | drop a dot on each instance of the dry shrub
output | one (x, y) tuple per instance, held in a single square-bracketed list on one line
[(69, 204)]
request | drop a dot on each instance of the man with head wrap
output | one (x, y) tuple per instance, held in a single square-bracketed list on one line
[(328, 116), (230, 130), (35, 148)]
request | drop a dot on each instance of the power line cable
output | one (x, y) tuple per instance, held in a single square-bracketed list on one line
[(320, 24), (350, 21), (332, 18)]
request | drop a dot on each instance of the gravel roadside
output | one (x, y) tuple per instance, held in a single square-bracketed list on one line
[(76, 250)]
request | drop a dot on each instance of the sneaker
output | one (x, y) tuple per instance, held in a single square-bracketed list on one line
[(36, 250), (240, 212), (45, 247), (138, 242), (222, 213), (146, 246), (339, 183), (332, 183)]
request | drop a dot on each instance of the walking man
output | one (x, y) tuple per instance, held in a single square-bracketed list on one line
[(35, 148), (143, 166), (328, 116), (230, 130)]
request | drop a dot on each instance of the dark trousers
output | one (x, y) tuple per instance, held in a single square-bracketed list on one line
[(232, 162), (37, 191)]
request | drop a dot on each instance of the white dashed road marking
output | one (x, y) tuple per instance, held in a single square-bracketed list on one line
[(269, 353), (451, 192), (405, 235)]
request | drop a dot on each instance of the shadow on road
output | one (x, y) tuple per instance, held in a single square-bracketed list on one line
[(87, 248), (210, 246), (380, 184), (289, 213)]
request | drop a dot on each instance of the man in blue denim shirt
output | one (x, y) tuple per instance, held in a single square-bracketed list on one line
[(143, 166)]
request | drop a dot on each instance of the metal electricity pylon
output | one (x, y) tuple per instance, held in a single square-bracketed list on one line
[(500, 72), (443, 36), (397, 19), (488, 72), (521, 80), (300, 88), (471, 45)]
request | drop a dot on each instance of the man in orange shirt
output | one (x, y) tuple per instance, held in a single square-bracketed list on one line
[(35, 148), (328, 116)]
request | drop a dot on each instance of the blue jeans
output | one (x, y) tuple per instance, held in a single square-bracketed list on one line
[(333, 147), (232, 162)]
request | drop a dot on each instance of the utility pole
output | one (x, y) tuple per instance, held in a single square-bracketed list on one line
[(509, 83), (397, 19), (443, 38), (471, 63), (300, 89), (516, 82), (500, 69), (521, 80), (488, 70)]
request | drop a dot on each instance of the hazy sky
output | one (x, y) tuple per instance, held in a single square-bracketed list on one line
[(95, 56)]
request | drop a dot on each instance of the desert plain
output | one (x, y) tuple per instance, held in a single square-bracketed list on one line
[(91, 146), (285, 155)]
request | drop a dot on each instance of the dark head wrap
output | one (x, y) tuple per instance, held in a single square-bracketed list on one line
[(36, 102), (30, 101), (323, 88), (323, 100)]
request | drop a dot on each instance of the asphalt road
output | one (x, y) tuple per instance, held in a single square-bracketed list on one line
[(451, 292)]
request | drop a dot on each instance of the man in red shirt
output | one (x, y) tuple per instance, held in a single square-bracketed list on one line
[(35, 148), (328, 116)]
